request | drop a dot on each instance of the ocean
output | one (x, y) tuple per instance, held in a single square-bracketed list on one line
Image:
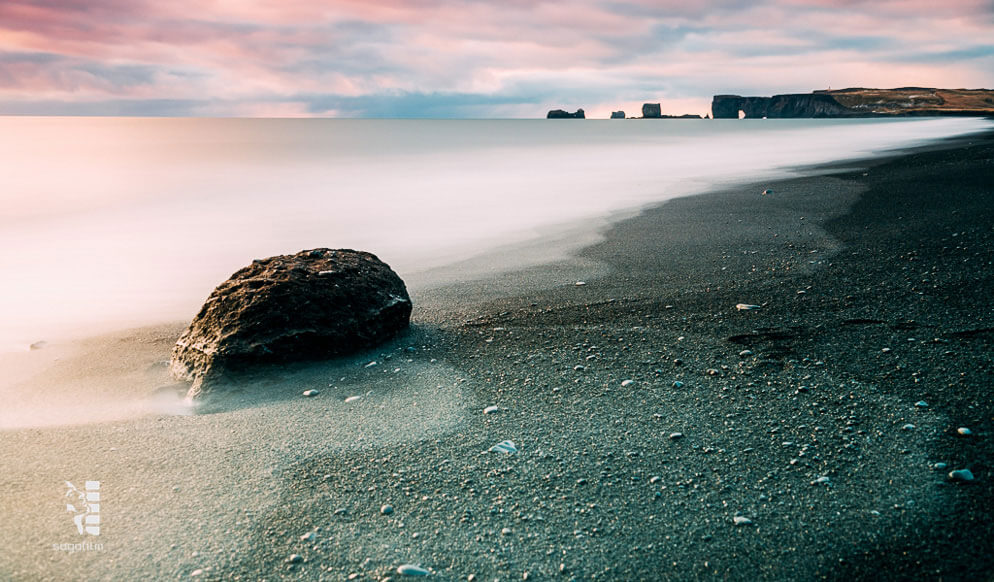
[(108, 223)]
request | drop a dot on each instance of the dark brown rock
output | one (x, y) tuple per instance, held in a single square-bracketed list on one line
[(312, 305)]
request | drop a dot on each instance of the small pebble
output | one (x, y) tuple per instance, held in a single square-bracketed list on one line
[(821, 481), (921, 404), (963, 431), (308, 537), (745, 353), (886, 350), (767, 192), (411, 570), (579, 284), (940, 466), (196, 572), (627, 383), (678, 384), (310, 393), (491, 410), (962, 475), (746, 307), (908, 426), (676, 435), (742, 520), (506, 531), (386, 509), (295, 559), (504, 447), (352, 398)]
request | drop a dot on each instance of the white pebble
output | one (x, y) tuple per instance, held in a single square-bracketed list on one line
[(504, 447), (295, 559), (491, 410), (963, 431), (352, 398), (908, 426), (821, 481), (676, 435), (627, 383), (411, 570), (747, 307), (579, 284), (310, 393), (196, 572), (742, 520), (921, 404), (386, 509), (308, 537)]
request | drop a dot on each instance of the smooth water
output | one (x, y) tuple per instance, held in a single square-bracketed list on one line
[(114, 222)]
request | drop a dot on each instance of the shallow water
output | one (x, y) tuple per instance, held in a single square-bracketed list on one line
[(107, 223)]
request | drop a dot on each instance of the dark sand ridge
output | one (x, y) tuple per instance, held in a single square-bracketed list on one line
[(583, 493)]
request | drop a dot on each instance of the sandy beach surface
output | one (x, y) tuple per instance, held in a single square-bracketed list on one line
[(662, 433)]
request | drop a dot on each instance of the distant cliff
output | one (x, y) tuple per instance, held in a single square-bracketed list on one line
[(858, 102)]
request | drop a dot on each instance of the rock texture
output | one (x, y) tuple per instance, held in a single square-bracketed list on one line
[(652, 111), (561, 114), (617, 115), (779, 106), (312, 305)]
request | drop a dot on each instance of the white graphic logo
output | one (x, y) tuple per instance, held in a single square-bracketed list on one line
[(85, 507)]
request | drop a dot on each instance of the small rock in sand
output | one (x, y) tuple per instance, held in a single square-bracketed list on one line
[(627, 383), (821, 481), (747, 307), (741, 520), (940, 466), (386, 509), (308, 537), (37, 345), (295, 559), (908, 426), (579, 284), (745, 353), (491, 410), (767, 192), (504, 447), (352, 398), (411, 570), (963, 431), (678, 384), (676, 436), (961, 475), (310, 393), (921, 404)]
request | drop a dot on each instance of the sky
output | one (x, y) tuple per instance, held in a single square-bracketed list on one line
[(470, 59)]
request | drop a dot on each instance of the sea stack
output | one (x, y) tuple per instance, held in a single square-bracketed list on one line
[(313, 305), (652, 111), (563, 114), (617, 115)]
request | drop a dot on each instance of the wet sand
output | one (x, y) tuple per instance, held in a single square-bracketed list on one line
[(873, 284)]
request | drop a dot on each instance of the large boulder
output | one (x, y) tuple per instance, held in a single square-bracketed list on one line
[(652, 111), (312, 305), (562, 114)]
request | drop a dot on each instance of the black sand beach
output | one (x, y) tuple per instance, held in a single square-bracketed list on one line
[(662, 433)]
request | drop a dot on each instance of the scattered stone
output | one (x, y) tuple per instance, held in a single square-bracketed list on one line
[(940, 466), (741, 520), (411, 570), (747, 307), (712, 372), (308, 537), (908, 426), (961, 475), (767, 192), (504, 447), (745, 353), (310, 393), (674, 436), (921, 404), (627, 383), (963, 431), (678, 384), (295, 559), (352, 398), (821, 481), (491, 410), (196, 572), (370, 365), (506, 531), (37, 345), (279, 310), (886, 350), (579, 284), (386, 509)]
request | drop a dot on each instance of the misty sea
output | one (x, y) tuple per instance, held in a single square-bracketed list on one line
[(113, 222)]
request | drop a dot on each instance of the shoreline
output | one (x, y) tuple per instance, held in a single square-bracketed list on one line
[(600, 488)]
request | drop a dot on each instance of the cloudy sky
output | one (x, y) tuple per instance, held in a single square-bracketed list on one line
[(475, 58)]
